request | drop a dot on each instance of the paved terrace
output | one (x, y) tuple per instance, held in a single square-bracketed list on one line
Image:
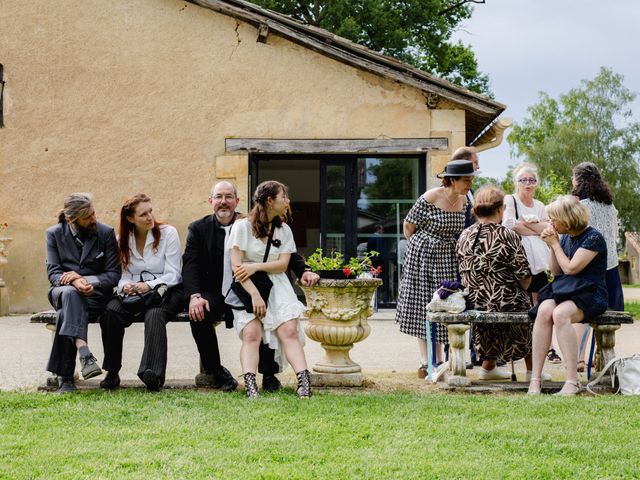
[(389, 358)]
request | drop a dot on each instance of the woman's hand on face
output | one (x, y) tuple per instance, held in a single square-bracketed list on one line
[(550, 236), (141, 287), (244, 271), (259, 307)]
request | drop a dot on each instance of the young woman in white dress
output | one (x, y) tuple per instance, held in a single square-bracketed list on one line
[(276, 321)]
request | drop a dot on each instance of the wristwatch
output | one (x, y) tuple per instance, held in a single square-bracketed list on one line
[(195, 295)]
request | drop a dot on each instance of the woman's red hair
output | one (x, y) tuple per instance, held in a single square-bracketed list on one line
[(126, 227)]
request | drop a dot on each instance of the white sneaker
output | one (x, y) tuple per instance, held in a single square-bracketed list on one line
[(545, 376), (494, 374)]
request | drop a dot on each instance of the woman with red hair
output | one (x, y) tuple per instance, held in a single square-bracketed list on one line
[(150, 255)]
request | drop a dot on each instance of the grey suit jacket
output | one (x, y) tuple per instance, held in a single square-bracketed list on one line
[(98, 262)]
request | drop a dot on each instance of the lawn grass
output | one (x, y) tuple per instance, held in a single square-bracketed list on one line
[(631, 285), (194, 434), (633, 308)]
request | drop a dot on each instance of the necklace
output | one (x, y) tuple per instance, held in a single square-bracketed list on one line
[(452, 204)]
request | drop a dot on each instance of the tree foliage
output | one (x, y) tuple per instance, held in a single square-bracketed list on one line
[(591, 123), (417, 32)]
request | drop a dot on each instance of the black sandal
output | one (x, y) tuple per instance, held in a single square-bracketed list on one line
[(250, 385), (304, 384)]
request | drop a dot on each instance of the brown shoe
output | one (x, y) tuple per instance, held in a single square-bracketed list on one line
[(422, 371)]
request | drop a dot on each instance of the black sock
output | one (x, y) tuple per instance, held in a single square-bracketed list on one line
[(84, 352)]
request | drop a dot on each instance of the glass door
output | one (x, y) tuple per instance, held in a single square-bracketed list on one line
[(336, 209)]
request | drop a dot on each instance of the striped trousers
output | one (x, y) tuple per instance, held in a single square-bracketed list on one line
[(154, 354)]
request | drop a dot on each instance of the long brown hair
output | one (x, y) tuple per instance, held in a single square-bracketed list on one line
[(258, 214), (126, 228)]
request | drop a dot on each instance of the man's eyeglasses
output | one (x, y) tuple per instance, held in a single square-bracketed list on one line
[(530, 181)]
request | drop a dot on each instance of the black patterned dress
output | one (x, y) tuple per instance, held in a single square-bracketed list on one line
[(430, 259), (491, 262)]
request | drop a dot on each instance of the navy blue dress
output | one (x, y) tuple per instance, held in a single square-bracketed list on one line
[(593, 302)]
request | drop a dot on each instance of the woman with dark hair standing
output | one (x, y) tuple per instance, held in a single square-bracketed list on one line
[(431, 228), (150, 255), (274, 322), (594, 193)]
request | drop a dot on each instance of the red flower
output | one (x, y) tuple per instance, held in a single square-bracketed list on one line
[(347, 271)]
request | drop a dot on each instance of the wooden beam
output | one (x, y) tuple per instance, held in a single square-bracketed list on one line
[(398, 145)]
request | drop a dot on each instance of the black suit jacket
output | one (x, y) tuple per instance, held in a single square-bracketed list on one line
[(202, 262)]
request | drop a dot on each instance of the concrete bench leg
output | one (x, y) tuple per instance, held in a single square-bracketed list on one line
[(605, 344), (457, 333)]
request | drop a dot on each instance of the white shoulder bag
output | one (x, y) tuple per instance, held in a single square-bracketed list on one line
[(626, 370)]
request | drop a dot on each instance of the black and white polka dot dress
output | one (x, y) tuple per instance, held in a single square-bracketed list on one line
[(431, 259)]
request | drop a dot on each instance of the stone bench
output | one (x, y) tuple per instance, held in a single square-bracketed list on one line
[(604, 327), (48, 318)]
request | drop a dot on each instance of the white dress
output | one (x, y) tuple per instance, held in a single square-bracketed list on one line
[(536, 250), (283, 304)]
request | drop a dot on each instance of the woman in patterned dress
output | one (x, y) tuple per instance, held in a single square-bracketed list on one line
[(495, 269), (431, 227), (579, 263), (594, 193)]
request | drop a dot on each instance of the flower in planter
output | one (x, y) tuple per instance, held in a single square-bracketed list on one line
[(335, 261)]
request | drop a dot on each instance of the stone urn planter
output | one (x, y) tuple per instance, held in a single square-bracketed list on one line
[(338, 311)]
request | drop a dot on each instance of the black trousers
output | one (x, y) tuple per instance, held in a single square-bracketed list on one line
[(154, 354), (73, 312), (204, 334)]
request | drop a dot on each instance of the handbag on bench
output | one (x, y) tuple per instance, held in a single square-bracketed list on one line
[(138, 303), (238, 298)]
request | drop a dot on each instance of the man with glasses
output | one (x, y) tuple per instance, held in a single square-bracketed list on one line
[(203, 271), (83, 267)]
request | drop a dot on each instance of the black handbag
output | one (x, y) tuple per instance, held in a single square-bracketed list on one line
[(138, 303), (261, 281), (567, 286)]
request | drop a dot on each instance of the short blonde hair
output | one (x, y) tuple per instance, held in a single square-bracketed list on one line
[(524, 168), (570, 211)]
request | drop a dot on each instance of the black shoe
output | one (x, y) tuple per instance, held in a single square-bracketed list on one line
[(553, 356), (151, 380), (469, 366), (90, 367), (111, 381), (67, 385), (225, 381), (270, 383)]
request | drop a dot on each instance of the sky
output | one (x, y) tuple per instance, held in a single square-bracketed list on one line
[(528, 46)]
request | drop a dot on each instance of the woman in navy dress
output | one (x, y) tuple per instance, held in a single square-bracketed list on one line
[(581, 253)]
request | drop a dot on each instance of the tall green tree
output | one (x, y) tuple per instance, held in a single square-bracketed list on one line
[(417, 32), (593, 123)]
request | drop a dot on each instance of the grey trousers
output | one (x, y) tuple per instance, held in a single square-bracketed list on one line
[(154, 354), (73, 312)]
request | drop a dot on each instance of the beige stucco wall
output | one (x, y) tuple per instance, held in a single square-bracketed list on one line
[(119, 97)]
